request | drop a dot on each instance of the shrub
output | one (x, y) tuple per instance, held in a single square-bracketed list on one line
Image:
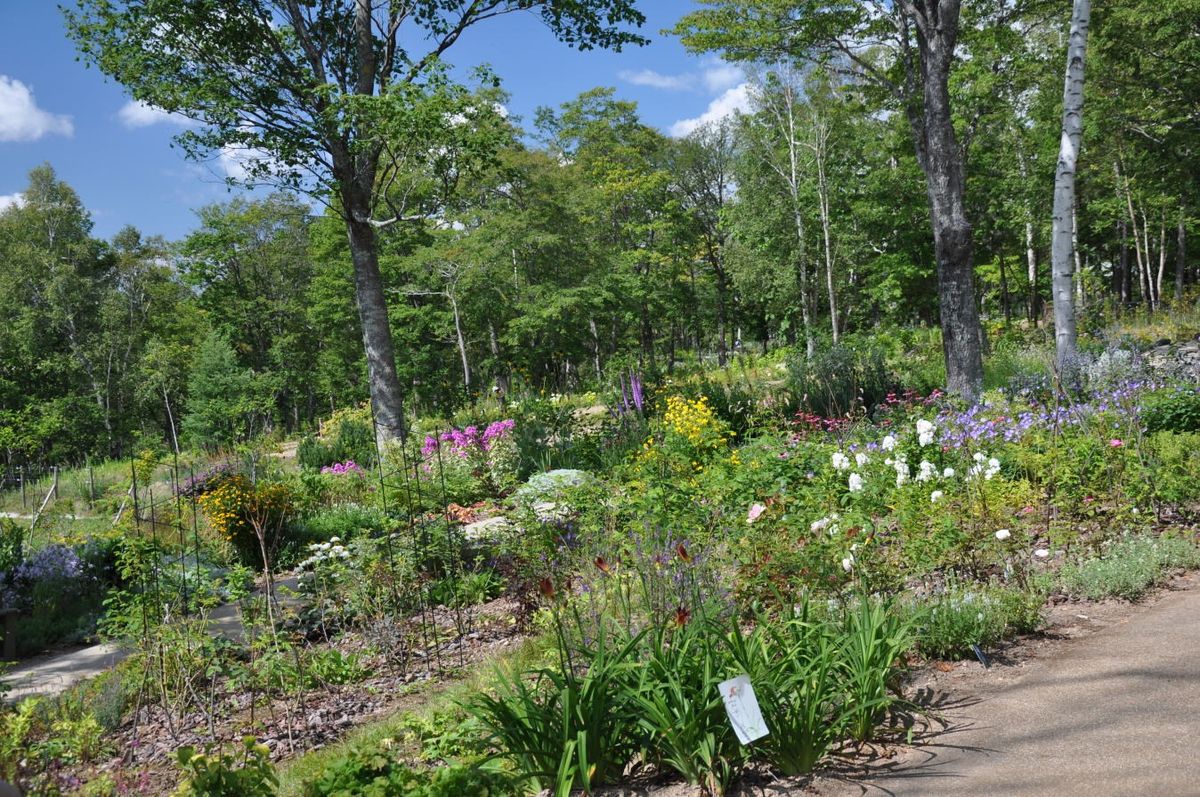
[(243, 512), (1128, 568), (1173, 411), (209, 774), (793, 665), (349, 434), (947, 625), (56, 595), (378, 773), (564, 728), (1176, 467), (840, 381)]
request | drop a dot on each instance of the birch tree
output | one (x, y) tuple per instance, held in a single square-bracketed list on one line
[(1063, 223), (920, 38)]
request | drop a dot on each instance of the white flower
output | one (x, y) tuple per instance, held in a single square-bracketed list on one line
[(978, 457), (1041, 553), (993, 467), (861, 459), (819, 525), (888, 443), (948, 473), (924, 432), (902, 473), (935, 496), (1003, 534), (848, 563), (840, 461), (856, 483), (926, 472)]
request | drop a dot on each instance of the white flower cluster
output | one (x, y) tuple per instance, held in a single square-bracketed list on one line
[(840, 461), (828, 524), (900, 465), (925, 430), (984, 466), (325, 552)]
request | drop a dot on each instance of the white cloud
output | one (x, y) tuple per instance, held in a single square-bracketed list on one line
[(722, 76), (657, 80), (235, 161), (136, 113), (11, 200), (734, 100), (21, 119), (239, 163)]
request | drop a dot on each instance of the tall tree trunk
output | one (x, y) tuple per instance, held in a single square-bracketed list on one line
[(1004, 300), (461, 340), (1162, 258), (595, 345), (941, 159), (1031, 267), (722, 315), (1122, 274), (1080, 288), (502, 380), (387, 399), (1031, 273), (1180, 253), (1062, 237)]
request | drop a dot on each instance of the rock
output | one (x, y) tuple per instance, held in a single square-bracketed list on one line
[(488, 529)]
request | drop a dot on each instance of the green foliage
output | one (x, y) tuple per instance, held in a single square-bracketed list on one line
[(371, 773), (876, 637), (12, 542), (218, 774), (1176, 466), (679, 705), (1172, 411), (562, 728), (227, 403), (840, 381), (1128, 567), (965, 615), (793, 665)]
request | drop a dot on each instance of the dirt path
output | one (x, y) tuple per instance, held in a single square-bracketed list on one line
[(1115, 713), (47, 676)]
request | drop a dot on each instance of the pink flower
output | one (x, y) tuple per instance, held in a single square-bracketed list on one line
[(755, 511), (1115, 443)]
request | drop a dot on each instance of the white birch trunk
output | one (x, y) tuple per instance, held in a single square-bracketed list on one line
[(1063, 227)]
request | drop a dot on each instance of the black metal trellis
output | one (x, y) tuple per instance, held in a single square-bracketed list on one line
[(405, 479)]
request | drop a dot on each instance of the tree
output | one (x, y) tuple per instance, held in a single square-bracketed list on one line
[(921, 36), (702, 165), (323, 97), (1063, 236), (249, 264)]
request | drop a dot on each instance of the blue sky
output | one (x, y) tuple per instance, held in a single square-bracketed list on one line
[(120, 160)]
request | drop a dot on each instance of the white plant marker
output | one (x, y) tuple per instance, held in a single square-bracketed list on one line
[(742, 707)]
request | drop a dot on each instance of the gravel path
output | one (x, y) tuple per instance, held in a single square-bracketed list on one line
[(47, 676), (1116, 713)]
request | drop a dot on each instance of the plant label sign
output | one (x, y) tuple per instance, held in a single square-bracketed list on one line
[(742, 707)]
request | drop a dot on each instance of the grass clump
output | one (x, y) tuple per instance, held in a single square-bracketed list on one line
[(947, 625), (1128, 568)]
